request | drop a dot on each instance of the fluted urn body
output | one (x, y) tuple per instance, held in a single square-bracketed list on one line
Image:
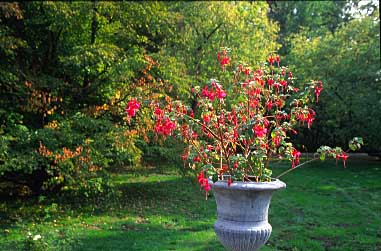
[(242, 213)]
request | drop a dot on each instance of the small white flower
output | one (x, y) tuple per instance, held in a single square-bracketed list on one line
[(36, 237)]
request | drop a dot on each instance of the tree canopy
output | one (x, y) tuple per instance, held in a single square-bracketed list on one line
[(68, 69)]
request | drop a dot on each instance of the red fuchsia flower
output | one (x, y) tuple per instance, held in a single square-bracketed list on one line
[(207, 187), (269, 104), (257, 91), (218, 56), (221, 119), (235, 119), (165, 126), (282, 73), (254, 103), (235, 165), (206, 118), (132, 107), (235, 135), (265, 146), (230, 116), (337, 157), (277, 85), (212, 95), (259, 72), (278, 60), (159, 113), (204, 183), (318, 89), (191, 113), (222, 170), (295, 157), (271, 59), (197, 159), (344, 156), (266, 122), (230, 181), (194, 135), (184, 131), (270, 82), (185, 155), (261, 82), (283, 83), (310, 118), (200, 177), (276, 140), (306, 116), (224, 61), (183, 110), (247, 71), (281, 116), (279, 102), (221, 94), (260, 131), (205, 92), (290, 75)]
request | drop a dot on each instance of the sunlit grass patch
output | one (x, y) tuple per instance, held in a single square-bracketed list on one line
[(324, 207)]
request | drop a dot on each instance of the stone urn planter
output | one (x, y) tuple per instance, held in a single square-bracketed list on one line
[(242, 213)]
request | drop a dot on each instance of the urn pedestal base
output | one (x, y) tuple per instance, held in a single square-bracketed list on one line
[(242, 236), (242, 212)]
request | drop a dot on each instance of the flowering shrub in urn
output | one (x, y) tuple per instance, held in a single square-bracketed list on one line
[(242, 121)]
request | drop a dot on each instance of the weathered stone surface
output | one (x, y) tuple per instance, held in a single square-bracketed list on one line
[(242, 211)]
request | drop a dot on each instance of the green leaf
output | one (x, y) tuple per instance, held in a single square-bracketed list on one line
[(322, 156)]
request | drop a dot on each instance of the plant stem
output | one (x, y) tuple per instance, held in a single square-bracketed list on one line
[(298, 166), (197, 122)]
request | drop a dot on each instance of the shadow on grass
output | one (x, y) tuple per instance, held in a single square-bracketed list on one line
[(124, 196), (165, 214), (151, 238)]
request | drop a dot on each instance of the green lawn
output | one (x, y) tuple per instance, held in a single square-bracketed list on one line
[(325, 207)]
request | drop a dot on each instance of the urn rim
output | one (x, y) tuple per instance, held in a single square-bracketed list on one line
[(276, 184)]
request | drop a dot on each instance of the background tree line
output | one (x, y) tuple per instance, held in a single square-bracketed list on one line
[(67, 71)]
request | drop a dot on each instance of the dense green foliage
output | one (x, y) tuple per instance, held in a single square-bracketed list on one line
[(168, 212), (348, 62), (337, 42), (67, 70)]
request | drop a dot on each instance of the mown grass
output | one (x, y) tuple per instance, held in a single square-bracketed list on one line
[(324, 207)]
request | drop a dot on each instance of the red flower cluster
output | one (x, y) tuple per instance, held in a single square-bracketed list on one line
[(318, 89), (204, 183), (260, 131), (132, 107), (272, 59), (159, 113), (342, 156), (185, 155), (165, 126), (197, 159), (230, 181), (276, 140), (308, 116), (295, 157), (224, 60), (237, 138), (215, 91)]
